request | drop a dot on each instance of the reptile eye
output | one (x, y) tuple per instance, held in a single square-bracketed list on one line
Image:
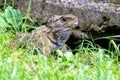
[(64, 19)]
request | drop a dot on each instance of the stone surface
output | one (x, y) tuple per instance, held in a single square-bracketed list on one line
[(96, 18)]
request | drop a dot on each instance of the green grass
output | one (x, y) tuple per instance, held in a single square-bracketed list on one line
[(90, 62)]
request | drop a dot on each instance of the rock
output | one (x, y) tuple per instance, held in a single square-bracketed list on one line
[(99, 19)]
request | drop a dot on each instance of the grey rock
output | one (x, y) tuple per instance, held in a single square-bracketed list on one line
[(97, 17)]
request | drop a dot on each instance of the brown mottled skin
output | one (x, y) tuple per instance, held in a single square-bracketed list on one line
[(47, 39)]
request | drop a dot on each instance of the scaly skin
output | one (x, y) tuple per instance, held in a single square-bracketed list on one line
[(47, 39)]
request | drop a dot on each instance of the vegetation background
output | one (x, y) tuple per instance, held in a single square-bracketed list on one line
[(90, 62)]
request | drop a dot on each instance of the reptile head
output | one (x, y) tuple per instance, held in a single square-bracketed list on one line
[(69, 21), (61, 27)]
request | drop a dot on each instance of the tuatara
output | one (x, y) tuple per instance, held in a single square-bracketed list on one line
[(47, 39)]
